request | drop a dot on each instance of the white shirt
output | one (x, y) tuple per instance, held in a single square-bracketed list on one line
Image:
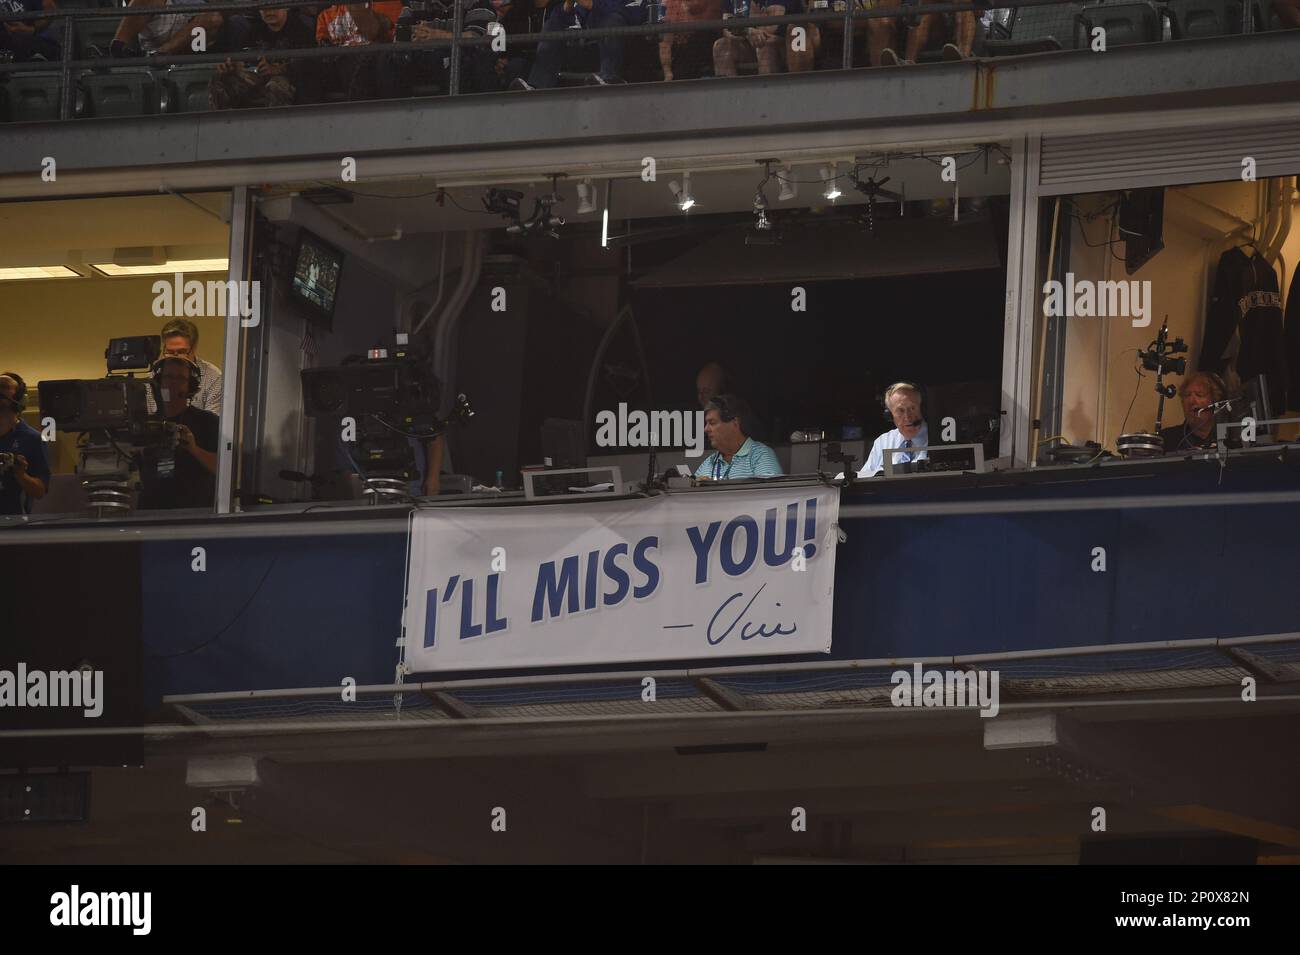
[(894, 439)]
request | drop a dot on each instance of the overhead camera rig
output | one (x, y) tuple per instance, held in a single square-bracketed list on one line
[(543, 221)]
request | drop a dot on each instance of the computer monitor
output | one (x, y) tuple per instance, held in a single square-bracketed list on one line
[(315, 282), (1257, 404), (564, 443)]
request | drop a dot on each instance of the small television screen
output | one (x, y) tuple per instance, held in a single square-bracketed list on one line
[(315, 283)]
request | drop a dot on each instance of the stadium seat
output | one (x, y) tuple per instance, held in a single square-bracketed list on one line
[(184, 89), (1124, 23), (1198, 18), (1264, 17), (96, 34), (1039, 30), (32, 97), (126, 92)]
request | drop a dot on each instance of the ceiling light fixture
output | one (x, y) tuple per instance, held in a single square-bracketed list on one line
[(682, 192), (113, 270), (586, 197), (832, 188), (37, 272), (789, 188)]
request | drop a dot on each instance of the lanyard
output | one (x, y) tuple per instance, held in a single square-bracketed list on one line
[(717, 466)]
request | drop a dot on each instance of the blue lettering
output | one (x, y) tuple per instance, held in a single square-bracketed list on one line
[(589, 593), (647, 567), (702, 548), (775, 556), (468, 628), (494, 622), (730, 566), (430, 617), (810, 528), (616, 574), (553, 591)]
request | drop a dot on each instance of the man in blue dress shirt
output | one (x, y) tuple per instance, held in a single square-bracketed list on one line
[(904, 403)]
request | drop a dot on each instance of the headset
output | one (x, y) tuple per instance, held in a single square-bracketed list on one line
[(1213, 379), (155, 374), (21, 392), (898, 386)]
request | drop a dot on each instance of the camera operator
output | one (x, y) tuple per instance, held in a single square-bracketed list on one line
[(193, 482), (26, 477)]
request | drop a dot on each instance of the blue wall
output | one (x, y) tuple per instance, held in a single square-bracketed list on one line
[(308, 611)]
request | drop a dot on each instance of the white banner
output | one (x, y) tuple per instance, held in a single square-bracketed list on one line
[(674, 577)]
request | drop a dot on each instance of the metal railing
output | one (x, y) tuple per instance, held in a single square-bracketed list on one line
[(68, 66)]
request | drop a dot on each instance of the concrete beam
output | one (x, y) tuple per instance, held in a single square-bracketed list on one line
[(1240, 79)]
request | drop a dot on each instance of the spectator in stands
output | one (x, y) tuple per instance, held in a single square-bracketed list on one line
[(960, 33), (180, 339), (435, 21), (688, 56), (826, 40), (270, 82), (28, 39), (766, 44), (360, 24), (574, 15), (1288, 11), (27, 478), (172, 33), (517, 17), (736, 455)]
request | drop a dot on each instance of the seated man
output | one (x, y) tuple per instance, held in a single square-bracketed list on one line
[(187, 477), (26, 477), (477, 63), (689, 56), (270, 82), (1199, 391), (28, 39), (960, 35), (903, 401), (766, 44), (360, 24), (735, 454), (171, 33), (574, 15)]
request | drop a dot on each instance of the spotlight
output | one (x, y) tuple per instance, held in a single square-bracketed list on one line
[(586, 197), (682, 192), (789, 188), (832, 188)]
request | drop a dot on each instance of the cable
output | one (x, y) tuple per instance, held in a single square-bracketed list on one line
[(1124, 426), (408, 434), (239, 613)]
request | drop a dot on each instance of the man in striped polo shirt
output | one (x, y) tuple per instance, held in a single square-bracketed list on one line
[(736, 455)]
